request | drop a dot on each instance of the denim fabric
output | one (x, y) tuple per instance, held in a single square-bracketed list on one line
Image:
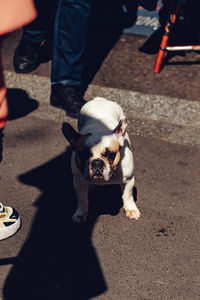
[(69, 38), (70, 33), (38, 30), (148, 4)]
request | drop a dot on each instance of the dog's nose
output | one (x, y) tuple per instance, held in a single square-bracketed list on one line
[(97, 164)]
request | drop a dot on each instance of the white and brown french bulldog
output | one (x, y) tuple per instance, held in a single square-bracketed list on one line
[(101, 154)]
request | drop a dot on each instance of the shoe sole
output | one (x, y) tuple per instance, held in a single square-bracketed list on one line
[(28, 70), (6, 232)]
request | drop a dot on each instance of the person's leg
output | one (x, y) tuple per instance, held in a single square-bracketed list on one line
[(3, 99), (10, 220), (70, 34), (27, 54)]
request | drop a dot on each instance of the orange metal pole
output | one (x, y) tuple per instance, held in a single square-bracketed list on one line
[(168, 29)]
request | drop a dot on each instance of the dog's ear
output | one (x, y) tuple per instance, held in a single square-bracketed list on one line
[(120, 131), (70, 134)]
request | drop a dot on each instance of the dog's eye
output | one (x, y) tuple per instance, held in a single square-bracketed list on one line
[(109, 154)]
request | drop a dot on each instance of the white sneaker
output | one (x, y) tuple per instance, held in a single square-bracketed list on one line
[(10, 221)]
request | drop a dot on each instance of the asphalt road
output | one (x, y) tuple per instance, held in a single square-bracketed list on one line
[(110, 257), (127, 62)]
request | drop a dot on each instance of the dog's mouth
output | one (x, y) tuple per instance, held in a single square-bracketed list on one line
[(97, 169), (97, 175)]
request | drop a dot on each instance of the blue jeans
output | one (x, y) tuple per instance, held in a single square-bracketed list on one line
[(148, 4), (69, 37)]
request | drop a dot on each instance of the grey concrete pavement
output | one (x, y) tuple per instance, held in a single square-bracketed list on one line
[(171, 119), (126, 62), (110, 257)]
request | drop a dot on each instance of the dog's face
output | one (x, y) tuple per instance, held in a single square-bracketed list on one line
[(96, 156)]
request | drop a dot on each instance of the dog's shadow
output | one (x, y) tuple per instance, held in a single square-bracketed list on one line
[(105, 200), (58, 260)]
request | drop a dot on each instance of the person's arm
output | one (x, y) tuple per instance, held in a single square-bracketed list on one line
[(15, 14)]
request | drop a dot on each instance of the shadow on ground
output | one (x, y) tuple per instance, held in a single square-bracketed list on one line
[(19, 105), (107, 22), (58, 260)]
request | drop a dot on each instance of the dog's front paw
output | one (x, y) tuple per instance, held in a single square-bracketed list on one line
[(79, 218), (132, 212)]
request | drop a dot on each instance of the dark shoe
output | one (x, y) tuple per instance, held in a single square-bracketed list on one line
[(67, 97), (26, 57)]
